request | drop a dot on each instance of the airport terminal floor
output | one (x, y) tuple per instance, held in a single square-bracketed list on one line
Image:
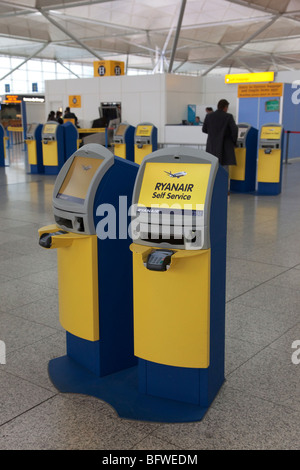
[(258, 406)]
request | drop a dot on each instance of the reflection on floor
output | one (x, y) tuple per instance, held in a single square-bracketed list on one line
[(258, 407)]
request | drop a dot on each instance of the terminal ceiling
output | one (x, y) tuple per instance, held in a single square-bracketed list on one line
[(203, 36)]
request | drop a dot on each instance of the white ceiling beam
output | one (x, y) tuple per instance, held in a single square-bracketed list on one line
[(71, 35), (242, 44), (177, 33), (24, 61), (67, 68)]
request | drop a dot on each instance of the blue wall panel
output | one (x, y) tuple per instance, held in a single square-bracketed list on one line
[(248, 111), (291, 119)]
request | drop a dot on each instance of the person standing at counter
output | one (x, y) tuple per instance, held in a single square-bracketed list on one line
[(222, 133)]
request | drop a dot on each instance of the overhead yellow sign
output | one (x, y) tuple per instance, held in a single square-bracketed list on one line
[(75, 101), (104, 68), (260, 90), (168, 184), (249, 77)]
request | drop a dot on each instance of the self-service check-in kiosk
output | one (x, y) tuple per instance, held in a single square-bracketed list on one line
[(145, 141), (3, 139), (124, 141), (94, 267), (34, 147), (71, 138), (53, 146), (179, 264), (243, 174), (269, 163)]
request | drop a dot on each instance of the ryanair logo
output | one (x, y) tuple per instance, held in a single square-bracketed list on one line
[(176, 175)]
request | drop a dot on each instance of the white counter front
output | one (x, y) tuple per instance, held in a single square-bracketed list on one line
[(184, 135)]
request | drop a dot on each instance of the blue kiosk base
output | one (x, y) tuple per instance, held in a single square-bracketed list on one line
[(120, 390)]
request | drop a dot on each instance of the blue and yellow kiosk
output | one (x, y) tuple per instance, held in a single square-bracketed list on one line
[(34, 147), (94, 268), (145, 141), (243, 174), (3, 138), (71, 138), (124, 141), (179, 272), (59, 142), (270, 157), (53, 146)]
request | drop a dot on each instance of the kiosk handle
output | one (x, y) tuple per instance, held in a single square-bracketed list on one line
[(46, 238)]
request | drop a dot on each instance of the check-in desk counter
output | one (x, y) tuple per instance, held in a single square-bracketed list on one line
[(187, 136)]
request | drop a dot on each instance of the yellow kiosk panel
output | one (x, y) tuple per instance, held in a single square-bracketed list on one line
[(175, 183), (78, 179), (32, 156), (176, 316), (237, 172), (50, 157), (268, 166)]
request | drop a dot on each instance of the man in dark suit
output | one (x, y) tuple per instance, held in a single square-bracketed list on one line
[(222, 133), (69, 115)]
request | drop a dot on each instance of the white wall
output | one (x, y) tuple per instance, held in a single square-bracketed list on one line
[(35, 112), (141, 97), (160, 98)]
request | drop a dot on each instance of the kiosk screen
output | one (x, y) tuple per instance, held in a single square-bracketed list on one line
[(175, 187), (271, 133), (78, 179), (144, 131), (49, 128), (30, 129), (241, 132), (121, 129)]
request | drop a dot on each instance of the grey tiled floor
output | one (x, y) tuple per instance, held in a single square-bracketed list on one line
[(258, 406)]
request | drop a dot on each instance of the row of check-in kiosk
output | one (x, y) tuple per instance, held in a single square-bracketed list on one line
[(259, 158), (141, 249), (50, 145)]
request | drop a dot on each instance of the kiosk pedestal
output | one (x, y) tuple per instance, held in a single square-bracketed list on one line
[(145, 141), (94, 269), (179, 264), (34, 148), (269, 164), (3, 138), (243, 174), (124, 141), (53, 146)]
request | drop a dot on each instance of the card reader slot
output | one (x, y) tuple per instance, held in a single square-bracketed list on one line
[(62, 221)]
